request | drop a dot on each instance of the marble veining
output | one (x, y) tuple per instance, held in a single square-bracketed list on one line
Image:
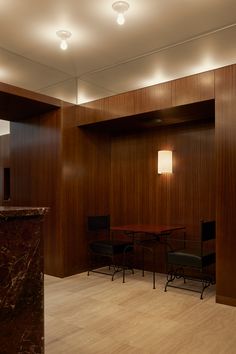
[(21, 281)]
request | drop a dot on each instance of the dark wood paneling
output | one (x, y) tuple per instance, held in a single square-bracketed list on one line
[(4, 162), (36, 178), (152, 98), (226, 300), (106, 108), (145, 200), (226, 187), (126, 104), (54, 164), (164, 117), (90, 112), (140, 195), (193, 88), (119, 105), (187, 90), (86, 181), (17, 104), (29, 95)]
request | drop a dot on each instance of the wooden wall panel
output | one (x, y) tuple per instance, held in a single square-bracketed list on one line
[(86, 181), (119, 105), (107, 108), (36, 178), (4, 162), (193, 88), (126, 104), (90, 112), (186, 90), (226, 186), (140, 195), (153, 98)]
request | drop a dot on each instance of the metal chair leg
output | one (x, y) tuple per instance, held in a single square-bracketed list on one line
[(124, 261), (153, 270), (89, 263), (143, 261), (170, 278)]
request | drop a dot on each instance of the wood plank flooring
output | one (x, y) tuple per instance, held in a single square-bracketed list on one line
[(93, 315)]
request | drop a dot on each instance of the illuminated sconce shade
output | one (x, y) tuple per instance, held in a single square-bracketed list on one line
[(164, 161)]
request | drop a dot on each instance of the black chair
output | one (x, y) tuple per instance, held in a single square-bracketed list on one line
[(193, 256), (105, 250)]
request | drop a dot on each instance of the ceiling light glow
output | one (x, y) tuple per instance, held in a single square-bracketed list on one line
[(120, 19), (64, 44), (120, 7), (63, 35)]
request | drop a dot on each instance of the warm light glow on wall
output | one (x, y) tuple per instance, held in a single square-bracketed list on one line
[(164, 161)]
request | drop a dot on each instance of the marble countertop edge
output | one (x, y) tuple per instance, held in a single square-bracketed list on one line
[(14, 211)]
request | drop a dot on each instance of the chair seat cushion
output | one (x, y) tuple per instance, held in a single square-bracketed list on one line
[(190, 258), (110, 247)]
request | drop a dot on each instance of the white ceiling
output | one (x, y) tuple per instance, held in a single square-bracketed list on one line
[(161, 40)]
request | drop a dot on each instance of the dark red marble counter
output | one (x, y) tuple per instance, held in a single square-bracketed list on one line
[(21, 280), (6, 212)]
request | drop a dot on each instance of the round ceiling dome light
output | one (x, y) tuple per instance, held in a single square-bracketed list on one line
[(63, 35), (120, 7)]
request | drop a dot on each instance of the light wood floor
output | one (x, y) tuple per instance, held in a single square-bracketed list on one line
[(92, 315)]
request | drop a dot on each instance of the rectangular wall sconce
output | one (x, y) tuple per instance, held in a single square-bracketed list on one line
[(164, 161)]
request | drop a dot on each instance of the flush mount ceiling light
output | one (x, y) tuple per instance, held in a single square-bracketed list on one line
[(120, 7), (63, 35)]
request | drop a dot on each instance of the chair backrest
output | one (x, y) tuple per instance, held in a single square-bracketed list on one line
[(208, 230), (98, 222)]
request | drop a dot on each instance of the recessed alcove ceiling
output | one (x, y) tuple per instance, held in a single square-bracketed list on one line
[(194, 113), (160, 41), (14, 107)]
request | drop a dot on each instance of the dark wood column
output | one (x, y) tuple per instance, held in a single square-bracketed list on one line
[(225, 125), (4, 164), (85, 185), (36, 177)]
